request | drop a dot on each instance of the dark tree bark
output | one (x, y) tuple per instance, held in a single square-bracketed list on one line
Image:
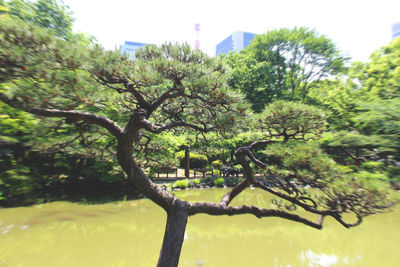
[(187, 162), (173, 237)]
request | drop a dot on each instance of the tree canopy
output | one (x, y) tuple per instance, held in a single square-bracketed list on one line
[(284, 64)]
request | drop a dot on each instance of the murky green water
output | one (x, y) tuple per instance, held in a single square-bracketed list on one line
[(130, 234)]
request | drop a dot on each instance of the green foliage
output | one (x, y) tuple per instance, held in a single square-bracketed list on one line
[(381, 76), (217, 148), (238, 167), (303, 163), (393, 172), (366, 103), (295, 165), (219, 182), (16, 125), (372, 181), (373, 166), (216, 164), (181, 184), (379, 116), (341, 97), (50, 14), (291, 120), (160, 152), (251, 77), (348, 139)]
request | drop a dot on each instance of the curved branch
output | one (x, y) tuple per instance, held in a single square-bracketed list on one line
[(338, 218), (222, 209), (234, 192), (154, 128), (88, 117), (166, 95), (296, 201), (261, 144)]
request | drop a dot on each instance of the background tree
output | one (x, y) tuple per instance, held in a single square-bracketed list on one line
[(29, 170), (284, 64), (364, 105), (48, 14)]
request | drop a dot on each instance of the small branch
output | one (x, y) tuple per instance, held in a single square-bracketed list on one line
[(347, 225), (222, 209), (261, 144), (154, 128), (296, 201), (234, 192), (166, 95)]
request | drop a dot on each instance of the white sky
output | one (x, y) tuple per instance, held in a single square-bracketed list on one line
[(357, 27)]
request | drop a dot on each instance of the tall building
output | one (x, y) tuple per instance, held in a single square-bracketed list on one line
[(234, 42), (131, 47), (396, 30)]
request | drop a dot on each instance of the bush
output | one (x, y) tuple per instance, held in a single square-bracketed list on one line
[(216, 164), (196, 160), (238, 167), (372, 166), (209, 181), (196, 182), (393, 172), (219, 182), (182, 184)]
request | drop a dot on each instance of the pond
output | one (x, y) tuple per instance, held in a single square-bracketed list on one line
[(130, 234)]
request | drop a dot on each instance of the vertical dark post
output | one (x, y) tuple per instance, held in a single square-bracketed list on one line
[(232, 155), (187, 161)]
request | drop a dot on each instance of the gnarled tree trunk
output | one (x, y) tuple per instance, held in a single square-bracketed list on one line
[(173, 238)]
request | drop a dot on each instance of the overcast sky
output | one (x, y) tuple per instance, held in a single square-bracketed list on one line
[(357, 27)]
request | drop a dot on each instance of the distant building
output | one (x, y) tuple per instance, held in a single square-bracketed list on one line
[(131, 47), (396, 30), (235, 42)]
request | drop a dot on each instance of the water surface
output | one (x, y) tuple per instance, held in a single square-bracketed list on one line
[(130, 234)]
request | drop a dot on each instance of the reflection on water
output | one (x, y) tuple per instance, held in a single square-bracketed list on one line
[(130, 234), (312, 259)]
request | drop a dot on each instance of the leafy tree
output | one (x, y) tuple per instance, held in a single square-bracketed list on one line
[(380, 77), (253, 78), (166, 89), (24, 138), (341, 97), (284, 64), (50, 14), (366, 101)]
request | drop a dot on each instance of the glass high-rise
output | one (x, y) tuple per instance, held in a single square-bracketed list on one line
[(235, 42), (395, 30), (130, 48)]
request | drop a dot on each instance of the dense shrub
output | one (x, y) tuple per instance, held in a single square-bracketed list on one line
[(372, 166), (182, 184), (219, 182), (216, 164), (196, 182), (393, 172)]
